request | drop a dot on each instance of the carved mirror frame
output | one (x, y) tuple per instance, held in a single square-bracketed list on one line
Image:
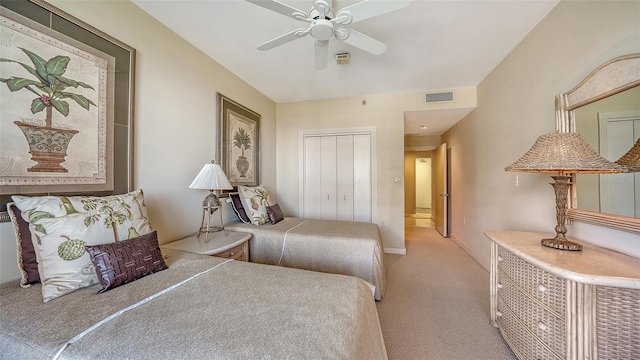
[(612, 77)]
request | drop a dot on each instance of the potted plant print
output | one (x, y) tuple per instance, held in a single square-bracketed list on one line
[(47, 145), (242, 140)]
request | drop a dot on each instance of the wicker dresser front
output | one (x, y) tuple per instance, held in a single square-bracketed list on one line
[(535, 302), (553, 304)]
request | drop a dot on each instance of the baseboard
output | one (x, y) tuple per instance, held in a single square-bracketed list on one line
[(468, 250), (397, 251)]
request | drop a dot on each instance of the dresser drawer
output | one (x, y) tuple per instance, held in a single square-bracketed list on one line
[(618, 319), (236, 253), (524, 344), (545, 287), (544, 324)]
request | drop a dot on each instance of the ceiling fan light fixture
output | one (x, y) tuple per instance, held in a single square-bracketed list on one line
[(322, 29)]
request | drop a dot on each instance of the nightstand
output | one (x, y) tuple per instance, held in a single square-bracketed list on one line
[(225, 244)]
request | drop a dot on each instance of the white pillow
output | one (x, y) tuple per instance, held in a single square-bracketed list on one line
[(62, 226), (255, 201)]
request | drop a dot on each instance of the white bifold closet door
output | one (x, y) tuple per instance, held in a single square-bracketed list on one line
[(337, 177)]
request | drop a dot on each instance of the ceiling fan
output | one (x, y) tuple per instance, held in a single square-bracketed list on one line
[(324, 24)]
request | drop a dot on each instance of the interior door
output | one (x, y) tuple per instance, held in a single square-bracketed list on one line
[(328, 177), (344, 171), (619, 192), (312, 180), (362, 203), (440, 193)]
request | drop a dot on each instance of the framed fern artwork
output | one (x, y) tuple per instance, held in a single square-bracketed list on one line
[(66, 108), (238, 138)]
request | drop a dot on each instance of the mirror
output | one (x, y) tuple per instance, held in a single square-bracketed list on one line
[(605, 109), (611, 127)]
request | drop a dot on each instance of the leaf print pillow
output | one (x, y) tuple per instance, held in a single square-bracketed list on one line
[(255, 201), (62, 226)]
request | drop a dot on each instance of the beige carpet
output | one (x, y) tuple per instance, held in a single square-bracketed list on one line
[(437, 303)]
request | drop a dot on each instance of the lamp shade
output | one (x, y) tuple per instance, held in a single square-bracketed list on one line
[(631, 160), (566, 153), (211, 177)]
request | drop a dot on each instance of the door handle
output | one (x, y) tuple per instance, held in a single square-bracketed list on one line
[(445, 195)]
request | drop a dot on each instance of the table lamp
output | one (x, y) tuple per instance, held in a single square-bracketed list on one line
[(211, 178), (564, 154)]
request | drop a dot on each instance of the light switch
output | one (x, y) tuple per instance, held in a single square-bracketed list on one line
[(396, 179)]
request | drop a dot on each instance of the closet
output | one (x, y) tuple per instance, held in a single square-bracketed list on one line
[(337, 177)]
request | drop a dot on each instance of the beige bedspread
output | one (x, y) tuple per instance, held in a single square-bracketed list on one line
[(339, 247), (231, 310)]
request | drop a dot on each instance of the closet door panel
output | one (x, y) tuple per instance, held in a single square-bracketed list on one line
[(328, 177), (312, 181), (344, 170), (362, 178)]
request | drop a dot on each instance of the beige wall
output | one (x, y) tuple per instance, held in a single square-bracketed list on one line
[(175, 118), (385, 112), (515, 106)]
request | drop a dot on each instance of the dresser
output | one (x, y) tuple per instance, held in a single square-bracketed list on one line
[(554, 304)]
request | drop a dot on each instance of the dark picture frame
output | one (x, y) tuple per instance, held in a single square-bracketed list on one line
[(121, 103), (239, 142)]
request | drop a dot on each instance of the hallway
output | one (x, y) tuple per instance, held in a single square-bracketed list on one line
[(437, 302)]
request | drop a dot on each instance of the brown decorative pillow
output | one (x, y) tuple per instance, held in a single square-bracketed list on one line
[(27, 262), (275, 214), (122, 262), (236, 204)]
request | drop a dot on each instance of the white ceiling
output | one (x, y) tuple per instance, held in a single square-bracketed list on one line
[(431, 45)]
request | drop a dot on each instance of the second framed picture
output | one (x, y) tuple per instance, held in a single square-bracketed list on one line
[(238, 139)]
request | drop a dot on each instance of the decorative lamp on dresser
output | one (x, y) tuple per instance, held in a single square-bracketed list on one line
[(551, 304)]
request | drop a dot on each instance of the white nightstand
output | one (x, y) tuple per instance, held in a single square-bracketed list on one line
[(225, 244)]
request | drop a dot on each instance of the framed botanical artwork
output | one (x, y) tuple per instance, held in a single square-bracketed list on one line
[(66, 112), (238, 138)]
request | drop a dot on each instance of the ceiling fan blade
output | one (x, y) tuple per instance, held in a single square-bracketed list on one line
[(362, 41), (369, 8), (322, 7), (322, 53), (281, 8), (280, 40)]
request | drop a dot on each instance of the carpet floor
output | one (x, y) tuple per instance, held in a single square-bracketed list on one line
[(437, 303)]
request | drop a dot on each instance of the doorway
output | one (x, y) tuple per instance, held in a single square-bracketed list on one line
[(418, 189)]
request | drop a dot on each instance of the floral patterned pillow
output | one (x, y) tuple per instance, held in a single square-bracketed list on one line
[(255, 201), (62, 226)]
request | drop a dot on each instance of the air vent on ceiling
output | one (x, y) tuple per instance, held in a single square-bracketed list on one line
[(342, 58), (440, 97)]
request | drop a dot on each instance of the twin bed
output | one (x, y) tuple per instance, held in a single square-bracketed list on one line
[(200, 307), (194, 306), (339, 247)]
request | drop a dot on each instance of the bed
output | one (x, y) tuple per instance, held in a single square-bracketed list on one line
[(200, 307), (340, 247)]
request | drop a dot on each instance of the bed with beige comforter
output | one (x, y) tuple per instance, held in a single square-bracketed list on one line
[(339, 247), (202, 307)]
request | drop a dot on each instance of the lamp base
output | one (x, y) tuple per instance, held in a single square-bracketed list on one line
[(210, 205), (561, 243)]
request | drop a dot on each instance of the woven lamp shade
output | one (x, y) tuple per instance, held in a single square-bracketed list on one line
[(566, 153), (631, 160)]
